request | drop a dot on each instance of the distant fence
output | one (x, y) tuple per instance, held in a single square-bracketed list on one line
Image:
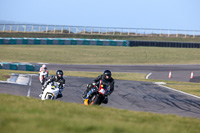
[(89, 30)]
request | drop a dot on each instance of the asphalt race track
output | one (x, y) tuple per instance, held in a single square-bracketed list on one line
[(179, 72), (131, 95)]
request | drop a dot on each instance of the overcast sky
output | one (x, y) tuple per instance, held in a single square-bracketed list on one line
[(165, 14)]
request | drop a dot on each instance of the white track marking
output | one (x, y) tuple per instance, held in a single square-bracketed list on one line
[(178, 91), (29, 89), (147, 77)]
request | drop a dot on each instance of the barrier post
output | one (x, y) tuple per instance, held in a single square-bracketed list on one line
[(25, 28), (17, 28), (186, 34), (11, 28), (4, 26), (168, 33), (47, 29)]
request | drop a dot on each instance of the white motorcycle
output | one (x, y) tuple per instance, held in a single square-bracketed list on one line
[(51, 91), (43, 76)]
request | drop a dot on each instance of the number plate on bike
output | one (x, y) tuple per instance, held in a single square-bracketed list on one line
[(102, 91)]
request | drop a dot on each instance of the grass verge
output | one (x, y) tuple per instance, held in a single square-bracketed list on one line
[(69, 54), (21, 115), (5, 74)]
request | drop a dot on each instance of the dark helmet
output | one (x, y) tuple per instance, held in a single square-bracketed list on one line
[(59, 72), (107, 74)]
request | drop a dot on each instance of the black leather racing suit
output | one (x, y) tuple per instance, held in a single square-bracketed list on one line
[(100, 77)]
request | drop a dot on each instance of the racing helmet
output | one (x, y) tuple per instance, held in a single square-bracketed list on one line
[(107, 74), (44, 66), (59, 74)]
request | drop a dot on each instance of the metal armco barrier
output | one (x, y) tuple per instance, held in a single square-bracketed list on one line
[(63, 41), (164, 44)]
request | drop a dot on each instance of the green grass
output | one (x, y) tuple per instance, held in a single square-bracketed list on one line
[(189, 88), (4, 74), (21, 115), (98, 54), (104, 55)]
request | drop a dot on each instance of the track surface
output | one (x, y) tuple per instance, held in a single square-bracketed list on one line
[(179, 72), (131, 95)]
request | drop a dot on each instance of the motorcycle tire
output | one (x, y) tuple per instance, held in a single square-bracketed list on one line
[(50, 97), (96, 101)]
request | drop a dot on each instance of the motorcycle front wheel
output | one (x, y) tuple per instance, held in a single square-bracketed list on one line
[(51, 97), (96, 100)]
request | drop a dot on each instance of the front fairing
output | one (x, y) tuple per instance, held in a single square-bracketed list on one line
[(50, 90), (91, 92), (43, 76), (100, 88)]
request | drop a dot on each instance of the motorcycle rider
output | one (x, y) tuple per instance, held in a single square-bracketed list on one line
[(59, 79), (43, 69), (107, 76)]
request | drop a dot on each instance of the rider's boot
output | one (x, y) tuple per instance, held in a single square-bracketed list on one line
[(59, 95), (86, 102)]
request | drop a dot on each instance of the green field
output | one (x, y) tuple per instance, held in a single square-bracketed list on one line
[(98, 54), (22, 115), (104, 55)]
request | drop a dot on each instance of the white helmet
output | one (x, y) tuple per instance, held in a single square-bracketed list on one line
[(44, 66)]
